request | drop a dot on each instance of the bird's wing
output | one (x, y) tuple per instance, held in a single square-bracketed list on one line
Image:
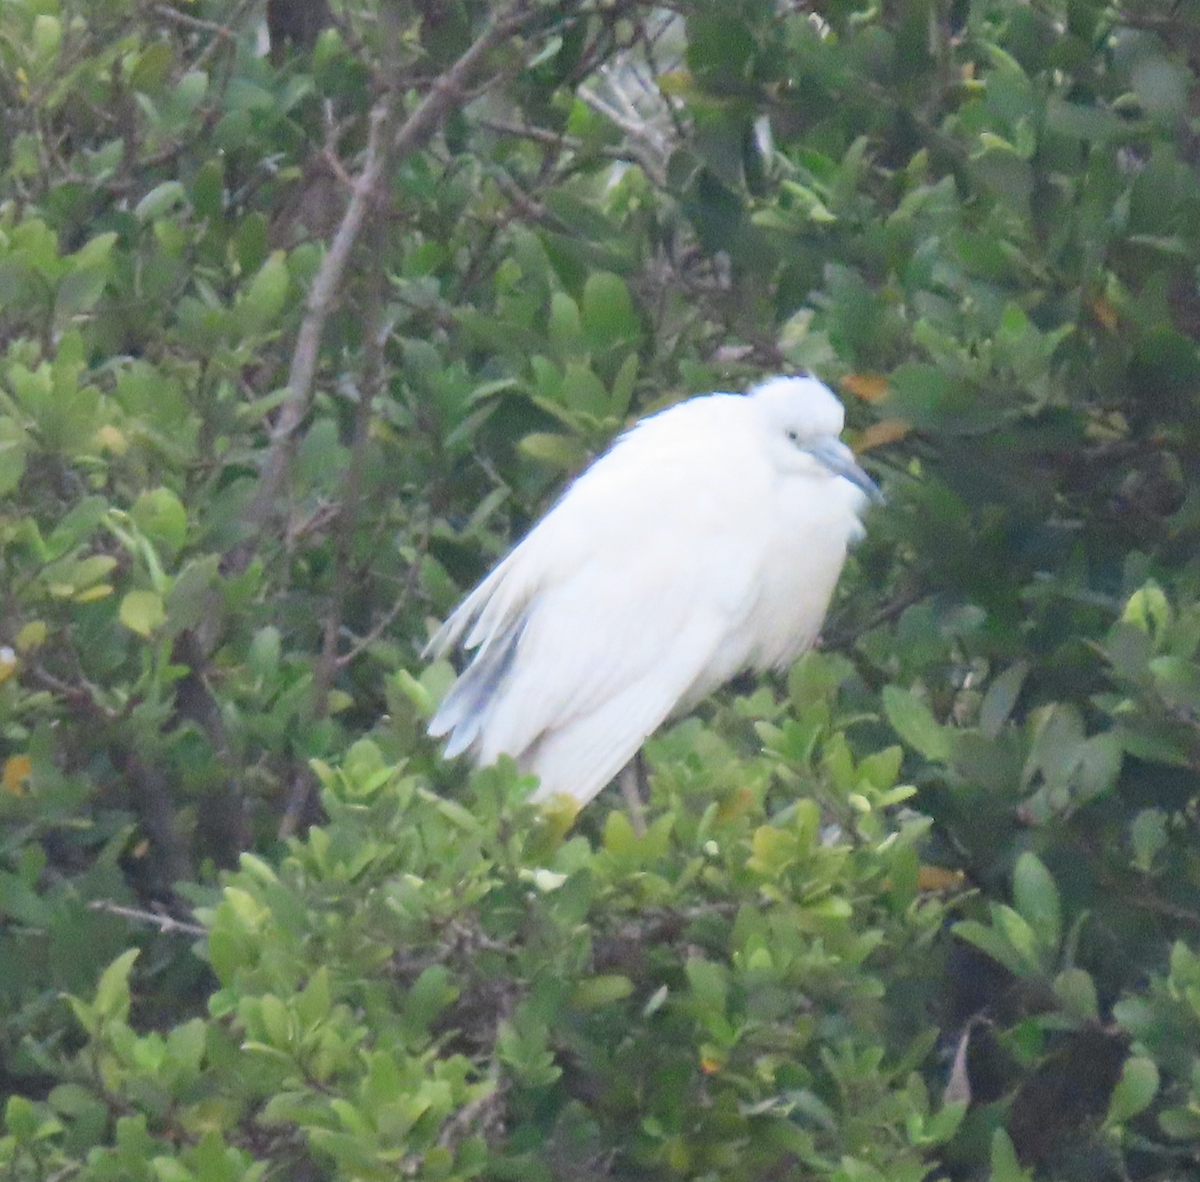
[(596, 512), (489, 621), (464, 710), (488, 612), (643, 610), (580, 755)]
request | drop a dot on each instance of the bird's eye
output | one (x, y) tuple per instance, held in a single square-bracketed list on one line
[(793, 435)]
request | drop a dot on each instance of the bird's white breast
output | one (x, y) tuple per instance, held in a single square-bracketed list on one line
[(813, 524)]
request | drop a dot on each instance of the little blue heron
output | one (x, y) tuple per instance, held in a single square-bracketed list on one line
[(706, 541)]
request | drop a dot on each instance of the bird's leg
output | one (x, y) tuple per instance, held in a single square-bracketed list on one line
[(632, 778)]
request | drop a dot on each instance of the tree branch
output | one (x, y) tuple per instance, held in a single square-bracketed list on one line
[(303, 368), (351, 499), (444, 95), (165, 923)]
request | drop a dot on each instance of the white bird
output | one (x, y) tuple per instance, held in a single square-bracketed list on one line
[(707, 540)]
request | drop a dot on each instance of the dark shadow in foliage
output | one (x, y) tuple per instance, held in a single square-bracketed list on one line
[(1066, 1096), (295, 23)]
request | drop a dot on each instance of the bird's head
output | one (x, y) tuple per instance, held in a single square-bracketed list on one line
[(803, 419)]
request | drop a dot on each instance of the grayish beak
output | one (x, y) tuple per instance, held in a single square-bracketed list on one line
[(839, 459)]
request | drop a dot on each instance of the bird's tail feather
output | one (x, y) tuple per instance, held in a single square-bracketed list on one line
[(463, 712), (484, 615)]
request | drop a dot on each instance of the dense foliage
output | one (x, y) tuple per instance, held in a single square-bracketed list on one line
[(306, 314)]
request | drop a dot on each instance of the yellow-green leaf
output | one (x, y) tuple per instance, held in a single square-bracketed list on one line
[(143, 611)]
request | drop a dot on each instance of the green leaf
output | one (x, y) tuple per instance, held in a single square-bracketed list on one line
[(160, 515), (1003, 168), (143, 612), (945, 1123), (429, 994), (85, 281), (608, 315), (620, 837), (152, 67), (583, 391), (1020, 936), (208, 188), (1178, 681), (191, 596), (112, 993), (564, 327), (14, 447), (593, 992), (263, 300), (914, 722), (932, 399), (558, 451), (1005, 1166), (623, 386), (1180, 1124), (1148, 609), (250, 241), (1036, 898), (1001, 698), (161, 200), (1148, 836), (21, 1118), (46, 38), (21, 903), (1135, 1090), (1098, 767), (1077, 992), (709, 982), (994, 944)]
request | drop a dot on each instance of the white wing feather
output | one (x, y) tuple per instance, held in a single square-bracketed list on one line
[(578, 758)]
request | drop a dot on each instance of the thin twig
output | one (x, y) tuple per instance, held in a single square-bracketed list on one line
[(362, 643), (222, 32), (631, 778), (839, 637), (85, 694), (555, 139), (211, 48), (481, 1115), (529, 131), (1148, 901), (174, 16), (528, 207), (166, 924), (299, 796)]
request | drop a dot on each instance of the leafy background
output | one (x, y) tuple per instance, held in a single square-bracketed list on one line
[(306, 314)]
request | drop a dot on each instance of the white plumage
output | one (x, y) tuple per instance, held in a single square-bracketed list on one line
[(706, 541)]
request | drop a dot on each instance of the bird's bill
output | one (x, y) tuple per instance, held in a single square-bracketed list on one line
[(839, 459)]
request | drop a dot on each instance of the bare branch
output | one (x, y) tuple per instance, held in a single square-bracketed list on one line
[(448, 90), (166, 924), (222, 32), (444, 95), (302, 371), (167, 13), (81, 694)]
